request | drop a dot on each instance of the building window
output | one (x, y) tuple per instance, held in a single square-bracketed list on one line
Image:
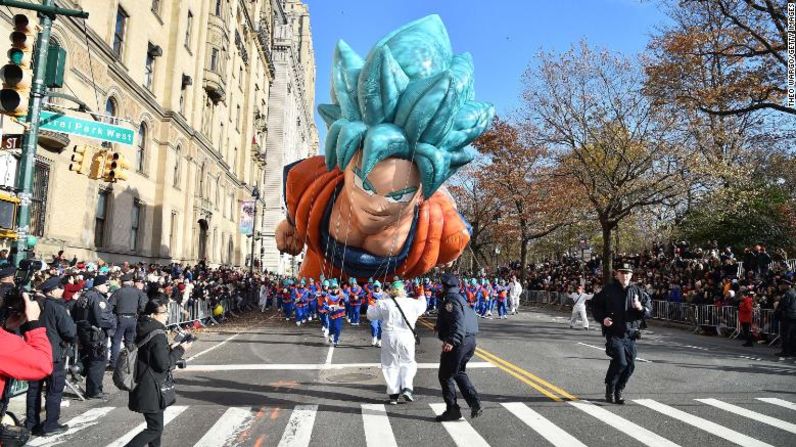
[(110, 112), (135, 223), (235, 161), (219, 6), (140, 152), (38, 205), (221, 138), (237, 118), (189, 30), (156, 6), (101, 217), (240, 76), (214, 59), (121, 29), (149, 70), (177, 165), (172, 230)]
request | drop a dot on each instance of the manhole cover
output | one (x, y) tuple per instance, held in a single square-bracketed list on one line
[(351, 377)]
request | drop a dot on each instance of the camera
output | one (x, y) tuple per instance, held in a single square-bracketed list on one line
[(12, 302), (185, 337), (182, 363)]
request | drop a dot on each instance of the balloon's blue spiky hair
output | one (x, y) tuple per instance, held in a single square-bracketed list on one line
[(411, 98)]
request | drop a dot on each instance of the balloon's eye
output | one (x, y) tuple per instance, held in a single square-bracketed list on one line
[(403, 196)]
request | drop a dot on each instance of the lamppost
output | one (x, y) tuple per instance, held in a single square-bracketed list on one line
[(256, 197)]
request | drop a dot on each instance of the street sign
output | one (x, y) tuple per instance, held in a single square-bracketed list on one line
[(111, 133), (11, 141)]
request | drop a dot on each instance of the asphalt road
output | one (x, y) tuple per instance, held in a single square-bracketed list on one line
[(262, 381)]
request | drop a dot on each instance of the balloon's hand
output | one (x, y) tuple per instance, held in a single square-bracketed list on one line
[(287, 239)]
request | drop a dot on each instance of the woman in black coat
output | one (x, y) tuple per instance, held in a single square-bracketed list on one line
[(155, 359)]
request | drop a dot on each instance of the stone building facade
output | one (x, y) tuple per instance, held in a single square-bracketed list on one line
[(194, 78)]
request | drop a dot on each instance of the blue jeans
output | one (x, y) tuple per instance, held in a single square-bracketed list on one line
[(501, 305), (335, 328), (288, 308), (375, 329), (355, 309)]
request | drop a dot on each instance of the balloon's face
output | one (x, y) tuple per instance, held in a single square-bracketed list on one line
[(381, 198)]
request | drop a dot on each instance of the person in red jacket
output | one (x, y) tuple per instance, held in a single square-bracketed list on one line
[(75, 284), (745, 310), (28, 358)]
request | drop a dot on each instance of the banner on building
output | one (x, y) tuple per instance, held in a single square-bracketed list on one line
[(247, 217)]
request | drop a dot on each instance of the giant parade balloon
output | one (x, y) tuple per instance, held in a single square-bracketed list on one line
[(399, 125)]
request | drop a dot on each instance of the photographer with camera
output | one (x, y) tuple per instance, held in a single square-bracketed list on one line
[(154, 390), (95, 321), (61, 330), (28, 358)]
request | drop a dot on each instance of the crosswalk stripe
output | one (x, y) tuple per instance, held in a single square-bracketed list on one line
[(76, 424), (780, 402), (377, 426), (462, 433), (299, 427), (703, 424), (635, 431), (759, 417), (544, 427), (230, 423), (170, 413)]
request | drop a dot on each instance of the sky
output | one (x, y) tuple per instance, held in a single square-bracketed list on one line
[(502, 35)]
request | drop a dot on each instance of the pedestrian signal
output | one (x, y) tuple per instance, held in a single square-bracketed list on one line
[(16, 76), (78, 159)]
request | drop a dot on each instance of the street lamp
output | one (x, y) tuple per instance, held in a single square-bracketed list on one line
[(256, 197)]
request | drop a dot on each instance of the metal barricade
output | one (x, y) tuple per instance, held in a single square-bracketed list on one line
[(728, 321)]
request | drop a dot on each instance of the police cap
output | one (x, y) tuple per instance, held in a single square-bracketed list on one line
[(7, 271), (51, 284), (100, 280), (450, 280)]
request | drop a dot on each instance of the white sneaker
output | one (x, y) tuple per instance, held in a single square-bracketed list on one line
[(373, 343), (489, 314), (378, 343), (298, 323), (310, 318)]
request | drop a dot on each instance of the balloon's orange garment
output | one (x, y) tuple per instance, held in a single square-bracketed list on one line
[(440, 235)]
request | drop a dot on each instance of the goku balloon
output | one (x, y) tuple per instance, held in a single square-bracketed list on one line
[(399, 126)]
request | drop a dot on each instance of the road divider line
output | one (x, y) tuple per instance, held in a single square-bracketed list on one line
[(462, 433), (486, 355), (759, 417), (308, 366), (168, 415), (218, 345), (554, 434), (631, 429), (226, 428), (75, 424), (702, 424), (779, 402), (329, 355), (299, 427), (603, 350), (519, 377), (377, 426)]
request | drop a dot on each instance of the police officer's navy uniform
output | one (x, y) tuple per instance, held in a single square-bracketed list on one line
[(95, 321), (61, 330), (616, 302), (457, 325), (127, 303)]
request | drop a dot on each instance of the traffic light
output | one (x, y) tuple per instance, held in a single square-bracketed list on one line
[(96, 170), (115, 168), (9, 205), (17, 75), (79, 154)]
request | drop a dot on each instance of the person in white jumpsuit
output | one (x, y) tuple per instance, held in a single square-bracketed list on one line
[(579, 307), (398, 343), (515, 290)]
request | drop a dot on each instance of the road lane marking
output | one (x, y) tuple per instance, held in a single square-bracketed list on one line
[(219, 344), (299, 427), (377, 426), (635, 431), (759, 417), (603, 350), (779, 402), (76, 424), (329, 355), (226, 428), (535, 382), (462, 433), (170, 413), (309, 366), (541, 425), (703, 424)]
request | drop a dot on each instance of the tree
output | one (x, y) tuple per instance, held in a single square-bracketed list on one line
[(533, 203), (610, 139), (742, 42), (478, 207)]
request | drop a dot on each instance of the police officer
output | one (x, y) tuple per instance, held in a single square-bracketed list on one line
[(457, 326), (61, 331), (95, 320), (786, 310), (620, 308), (7, 279), (127, 303)]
